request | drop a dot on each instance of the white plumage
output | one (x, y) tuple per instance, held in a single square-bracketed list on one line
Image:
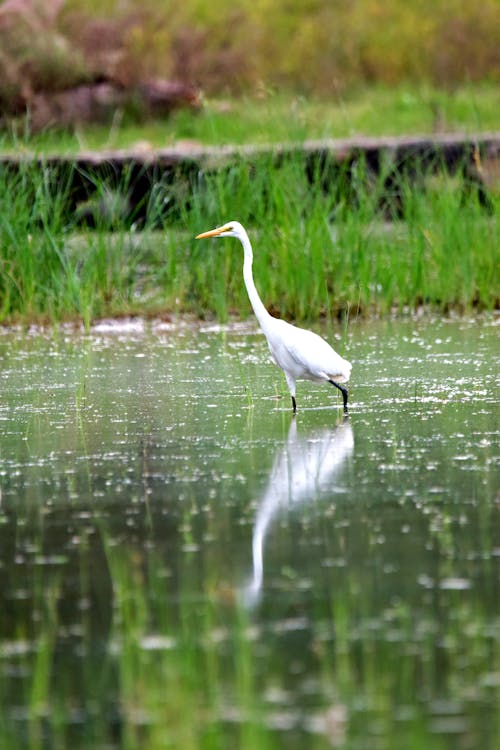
[(301, 354)]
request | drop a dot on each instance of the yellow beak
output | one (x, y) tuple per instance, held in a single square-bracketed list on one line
[(211, 233)]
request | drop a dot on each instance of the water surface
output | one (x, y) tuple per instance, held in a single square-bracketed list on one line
[(184, 564)]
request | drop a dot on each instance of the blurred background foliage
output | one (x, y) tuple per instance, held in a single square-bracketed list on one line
[(311, 47)]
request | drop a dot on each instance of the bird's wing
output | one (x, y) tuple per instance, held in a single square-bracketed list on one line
[(315, 355)]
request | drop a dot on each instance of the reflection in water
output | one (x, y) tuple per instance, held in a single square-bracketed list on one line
[(117, 569), (302, 468)]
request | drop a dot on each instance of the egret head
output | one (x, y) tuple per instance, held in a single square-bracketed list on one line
[(231, 229)]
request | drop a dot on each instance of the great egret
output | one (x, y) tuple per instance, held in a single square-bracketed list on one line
[(301, 354)]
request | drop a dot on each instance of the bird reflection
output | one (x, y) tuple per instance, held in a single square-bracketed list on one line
[(303, 467)]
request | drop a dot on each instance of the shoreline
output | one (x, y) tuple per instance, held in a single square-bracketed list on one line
[(141, 324)]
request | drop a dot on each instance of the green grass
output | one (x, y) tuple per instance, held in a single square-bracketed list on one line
[(273, 118), (317, 253)]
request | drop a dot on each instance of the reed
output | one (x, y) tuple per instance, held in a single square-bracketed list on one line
[(318, 252)]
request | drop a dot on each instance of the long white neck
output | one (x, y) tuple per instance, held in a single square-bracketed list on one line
[(257, 304)]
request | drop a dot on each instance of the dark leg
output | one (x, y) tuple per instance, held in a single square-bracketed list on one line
[(294, 404), (343, 391)]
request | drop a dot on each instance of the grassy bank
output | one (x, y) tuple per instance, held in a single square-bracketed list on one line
[(317, 253), (273, 118)]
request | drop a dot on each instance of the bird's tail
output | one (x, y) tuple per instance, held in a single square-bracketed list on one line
[(343, 374)]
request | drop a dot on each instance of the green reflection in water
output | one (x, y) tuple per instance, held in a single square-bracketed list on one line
[(182, 564)]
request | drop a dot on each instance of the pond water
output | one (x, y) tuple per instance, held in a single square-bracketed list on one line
[(184, 564)]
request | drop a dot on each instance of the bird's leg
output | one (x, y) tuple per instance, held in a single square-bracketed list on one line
[(290, 381), (343, 391)]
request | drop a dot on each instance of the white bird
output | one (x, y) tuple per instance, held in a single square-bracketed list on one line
[(301, 354)]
